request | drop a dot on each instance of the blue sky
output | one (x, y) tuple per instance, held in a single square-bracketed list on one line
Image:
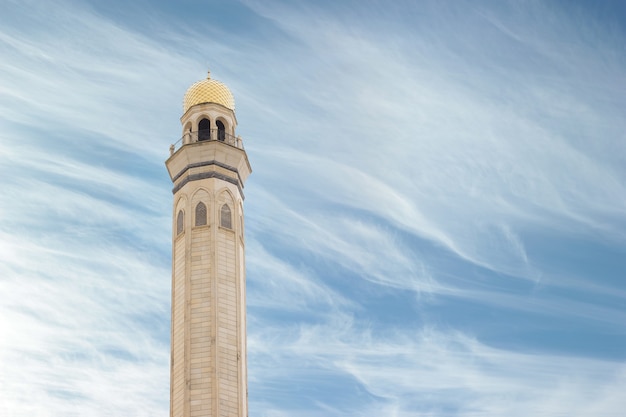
[(436, 221)]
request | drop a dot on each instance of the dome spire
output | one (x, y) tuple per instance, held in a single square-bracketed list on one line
[(208, 73), (208, 91)]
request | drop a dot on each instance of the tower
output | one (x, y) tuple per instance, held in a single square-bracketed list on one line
[(208, 166)]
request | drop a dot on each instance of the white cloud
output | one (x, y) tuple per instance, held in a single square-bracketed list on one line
[(378, 136), (429, 371)]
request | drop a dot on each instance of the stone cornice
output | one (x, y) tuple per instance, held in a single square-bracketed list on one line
[(210, 174)]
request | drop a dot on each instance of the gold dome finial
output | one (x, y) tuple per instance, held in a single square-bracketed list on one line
[(208, 74), (208, 91)]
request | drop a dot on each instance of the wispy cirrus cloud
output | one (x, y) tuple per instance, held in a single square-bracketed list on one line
[(435, 219), (435, 372), (475, 141), (83, 273)]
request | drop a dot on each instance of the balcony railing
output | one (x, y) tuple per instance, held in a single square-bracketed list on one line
[(207, 135)]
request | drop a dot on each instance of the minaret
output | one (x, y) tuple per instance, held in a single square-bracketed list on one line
[(208, 166)]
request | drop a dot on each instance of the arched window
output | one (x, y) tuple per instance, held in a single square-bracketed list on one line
[(200, 214), (204, 130), (225, 217), (221, 131), (180, 219)]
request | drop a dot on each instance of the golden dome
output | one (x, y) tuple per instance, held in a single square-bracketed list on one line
[(208, 91)]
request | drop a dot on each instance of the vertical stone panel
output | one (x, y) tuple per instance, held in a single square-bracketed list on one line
[(243, 342), (178, 329), (201, 328), (227, 324)]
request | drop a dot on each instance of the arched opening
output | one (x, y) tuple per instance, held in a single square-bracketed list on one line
[(201, 214), (221, 131), (225, 217), (187, 133), (180, 222), (204, 130)]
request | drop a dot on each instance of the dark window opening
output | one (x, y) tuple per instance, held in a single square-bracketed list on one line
[(204, 130), (221, 131), (200, 214), (180, 222), (225, 217)]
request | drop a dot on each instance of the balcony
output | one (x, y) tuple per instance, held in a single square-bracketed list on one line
[(207, 135)]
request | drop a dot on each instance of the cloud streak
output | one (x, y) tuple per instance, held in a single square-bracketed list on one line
[(435, 219)]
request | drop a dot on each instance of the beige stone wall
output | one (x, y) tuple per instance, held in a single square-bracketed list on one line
[(243, 360), (178, 327), (201, 335), (227, 329), (208, 375)]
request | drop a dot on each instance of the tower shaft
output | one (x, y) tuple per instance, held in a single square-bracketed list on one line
[(208, 334)]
